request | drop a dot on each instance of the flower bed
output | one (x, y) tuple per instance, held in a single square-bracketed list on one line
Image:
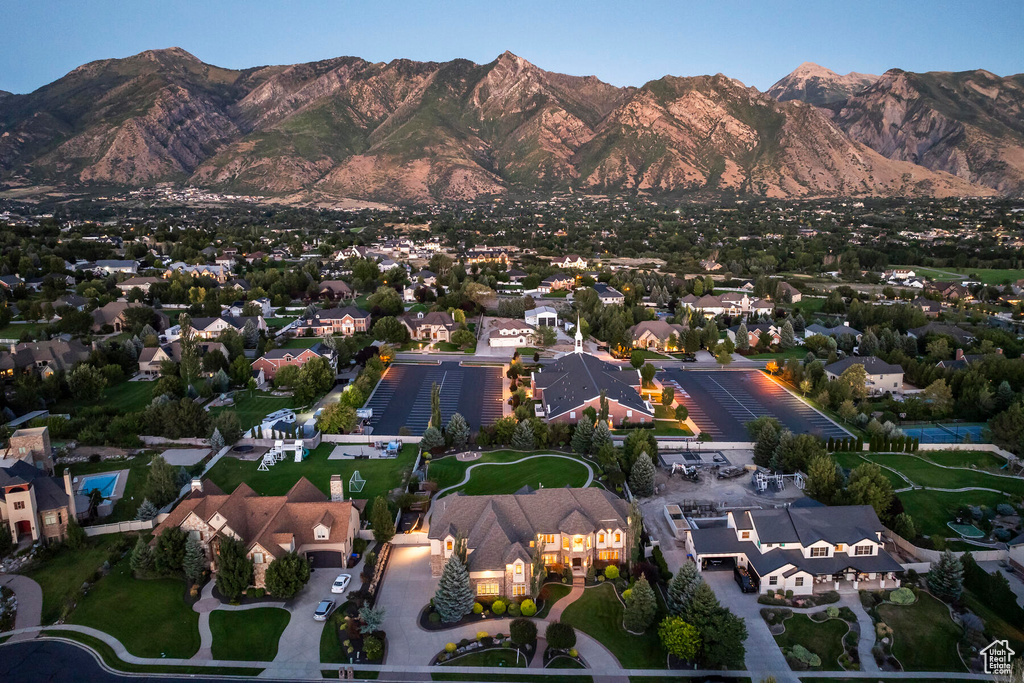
[(483, 643), (788, 600), (430, 620), (8, 609)]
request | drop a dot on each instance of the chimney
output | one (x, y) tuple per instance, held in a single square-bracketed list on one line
[(959, 354), (337, 489), (69, 489), (196, 485)]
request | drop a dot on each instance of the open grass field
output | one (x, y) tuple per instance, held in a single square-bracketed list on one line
[(989, 276), (824, 639), (851, 460), (64, 573), (249, 636), (150, 617), (253, 408), (982, 460), (124, 396), (381, 475), (598, 613), (926, 474), (14, 330), (924, 635), (932, 509), (278, 323), (450, 471), (537, 473)]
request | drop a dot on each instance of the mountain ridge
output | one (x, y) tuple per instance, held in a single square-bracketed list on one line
[(407, 131)]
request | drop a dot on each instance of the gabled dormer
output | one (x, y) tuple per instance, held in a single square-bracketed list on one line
[(322, 529)]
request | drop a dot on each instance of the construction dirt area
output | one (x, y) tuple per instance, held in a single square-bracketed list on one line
[(721, 494)]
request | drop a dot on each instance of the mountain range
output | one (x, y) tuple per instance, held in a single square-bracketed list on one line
[(407, 131)]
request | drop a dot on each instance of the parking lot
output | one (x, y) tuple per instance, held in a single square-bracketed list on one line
[(403, 397), (721, 402)]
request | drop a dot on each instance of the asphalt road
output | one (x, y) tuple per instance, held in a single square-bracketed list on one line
[(403, 396), (721, 402)]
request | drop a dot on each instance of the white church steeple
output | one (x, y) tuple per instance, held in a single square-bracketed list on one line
[(579, 336)]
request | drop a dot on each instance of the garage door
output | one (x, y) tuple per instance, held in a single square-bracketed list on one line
[(326, 558), (710, 564)]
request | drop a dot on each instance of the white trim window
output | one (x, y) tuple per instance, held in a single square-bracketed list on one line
[(862, 550), (257, 558)]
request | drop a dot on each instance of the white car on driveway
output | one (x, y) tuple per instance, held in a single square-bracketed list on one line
[(340, 584), (323, 610)]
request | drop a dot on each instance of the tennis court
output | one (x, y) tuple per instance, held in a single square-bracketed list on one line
[(945, 433)]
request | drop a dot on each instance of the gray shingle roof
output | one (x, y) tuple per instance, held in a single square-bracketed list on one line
[(576, 378), (872, 364)]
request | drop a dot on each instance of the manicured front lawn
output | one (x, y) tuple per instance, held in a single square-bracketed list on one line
[(124, 396), (278, 323), (250, 635), (495, 657), (64, 573), (824, 639), (149, 616), (983, 460), (924, 635), (330, 644), (551, 593), (932, 509), (251, 409), (381, 475), (675, 430), (450, 471), (797, 352), (598, 613)]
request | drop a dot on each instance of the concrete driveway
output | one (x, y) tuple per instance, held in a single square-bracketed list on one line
[(30, 603), (407, 587), (300, 643)]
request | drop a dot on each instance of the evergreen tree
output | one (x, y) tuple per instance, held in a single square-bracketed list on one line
[(822, 480), (742, 338), (454, 597), (602, 436), (868, 344), (457, 431), (946, 579), (287, 575), (146, 511), (641, 477), (435, 406), (523, 438), (602, 414), (75, 537), (681, 588), (641, 608), (432, 438), (250, 335), (170, 551), (216, 440), (765, 444), (141, 560), (235, 570), (702, 607), (582, 436), (787, 338), (195, 560), (381, 521), (722, 641)]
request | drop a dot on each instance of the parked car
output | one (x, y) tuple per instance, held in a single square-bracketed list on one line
[(743, 579), (341, 583), (323, 610), (688, 357)]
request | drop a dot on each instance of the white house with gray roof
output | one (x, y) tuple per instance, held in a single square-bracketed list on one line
[(796, 548)]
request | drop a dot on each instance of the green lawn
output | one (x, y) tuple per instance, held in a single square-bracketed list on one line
[(111, 659), (926, 474), (448, 347), (932, 509), (661, 431), (330, 645), (564, 662), (851, 460), (124, 396), (63, 574), (278, 323), (252, 409), (557, 294), (924, 635), (797, 352), (138, 469), (824, 639), (507, 479), (983, 460), (250, 635), (495, 657), (381, 475), (150, 617), (528, 351), (598, 613), (15, 330), (992, 276), (299, 342)]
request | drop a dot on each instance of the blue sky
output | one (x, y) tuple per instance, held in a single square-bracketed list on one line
[(624, 43)]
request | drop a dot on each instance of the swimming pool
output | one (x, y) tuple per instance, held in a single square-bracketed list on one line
[(104, 483)]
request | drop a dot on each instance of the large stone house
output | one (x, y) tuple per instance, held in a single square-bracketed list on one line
[(344, 321), (656, 335), (571, 261), (433, 327), (304, 521), (151, 358), (556, 282), (574, 383), (566, 527), (43, 357), (31, 445), (36, 505), (882, 376), (792, 549), (113, 314), (272, 361)]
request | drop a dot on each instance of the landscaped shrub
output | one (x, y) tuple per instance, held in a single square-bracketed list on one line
[(600, 579), (805, 656), (902, 596), (1005, 509), (434, 618), (478, 608), (480, 635), (627, 594), (591, 573), (498, 607), (1002, 534), (522, 631), (373, 647), (528, 607), (611, 572), (256, 592), (560, 636), (513, 609), (450, 647), (832, 612)]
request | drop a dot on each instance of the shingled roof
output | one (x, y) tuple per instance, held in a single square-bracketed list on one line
[(576, 378), (499, 529)]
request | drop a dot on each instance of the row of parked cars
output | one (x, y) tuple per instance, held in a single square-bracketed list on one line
[(326, 606)]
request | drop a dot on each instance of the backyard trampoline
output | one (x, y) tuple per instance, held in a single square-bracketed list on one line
[(966, 530)]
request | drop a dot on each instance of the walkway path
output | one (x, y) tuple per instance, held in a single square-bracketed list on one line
[(469, 470), (555, 613), (867, 631), (30, 602)]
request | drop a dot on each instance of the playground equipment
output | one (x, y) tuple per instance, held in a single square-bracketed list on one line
[(356, 483), (763, 480), (282, 450), (266, 461)]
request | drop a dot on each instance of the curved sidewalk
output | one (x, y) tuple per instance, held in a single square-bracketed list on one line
[(30, 603)]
